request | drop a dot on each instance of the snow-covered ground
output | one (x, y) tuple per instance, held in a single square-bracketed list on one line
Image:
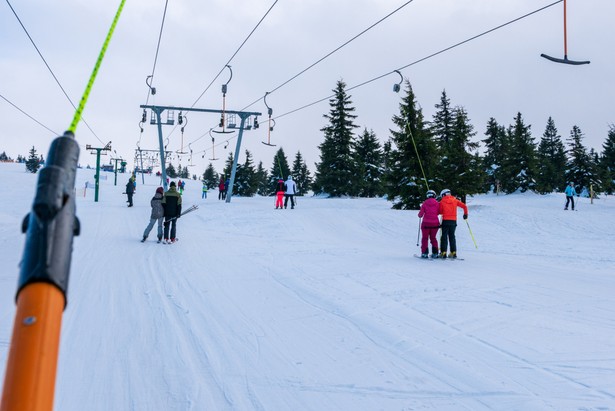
[(324, 307)]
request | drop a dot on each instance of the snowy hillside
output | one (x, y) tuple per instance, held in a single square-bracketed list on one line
[(324, 307)]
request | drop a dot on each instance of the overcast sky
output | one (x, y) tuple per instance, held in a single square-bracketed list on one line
[(496, 75)]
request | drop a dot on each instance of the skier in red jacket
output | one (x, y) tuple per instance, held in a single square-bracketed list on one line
[(430, 224), (448, 209)]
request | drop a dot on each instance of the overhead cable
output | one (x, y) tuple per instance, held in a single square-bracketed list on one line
[(235, 53), (332, 52), (49, 68), (425, 58), (28, 115)]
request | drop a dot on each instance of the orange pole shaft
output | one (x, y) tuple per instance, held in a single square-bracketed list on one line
[(29, 383), (565, 35)]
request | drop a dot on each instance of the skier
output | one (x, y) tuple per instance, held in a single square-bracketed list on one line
[(180, 187), (279, 194), (157, 214), (430, 224), (570, 193), (291, 190), (448, 209), (172, 204), (221, 191), (130, 189), (204, 195)]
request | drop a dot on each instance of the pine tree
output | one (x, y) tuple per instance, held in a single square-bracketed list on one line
[(336, 172), (246, 183), (171, 173), (495, 153), (459, 169), (580, 168), (301, 174), (228, 167), (408, 174), (519, 165), (279, 170), (33, 162), (210, 177), (369, 157), (262, 178), (607, 161), (551, 161), (443, 124), (4, 157)]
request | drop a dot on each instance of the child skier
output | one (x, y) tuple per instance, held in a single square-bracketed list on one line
[(448, 209), (157, 215), (279, 194), (430, 225)]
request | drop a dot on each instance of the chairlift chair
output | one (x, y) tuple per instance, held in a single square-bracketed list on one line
[(222, 123), (181, 119), (565, 59), (269, 126), (213, 147)]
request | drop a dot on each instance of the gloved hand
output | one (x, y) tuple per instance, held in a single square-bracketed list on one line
[(465, 216)]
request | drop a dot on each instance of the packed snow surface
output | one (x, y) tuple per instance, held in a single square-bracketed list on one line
[(324, 307)]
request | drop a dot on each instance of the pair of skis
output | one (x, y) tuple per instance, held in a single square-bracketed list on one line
[(430, 258)]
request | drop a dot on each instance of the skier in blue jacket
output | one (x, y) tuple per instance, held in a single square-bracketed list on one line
[(570, 193)]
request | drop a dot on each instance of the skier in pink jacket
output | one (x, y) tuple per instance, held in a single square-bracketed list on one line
[(430, 225)]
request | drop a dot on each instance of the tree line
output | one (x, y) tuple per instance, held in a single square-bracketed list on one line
[(422, 154)]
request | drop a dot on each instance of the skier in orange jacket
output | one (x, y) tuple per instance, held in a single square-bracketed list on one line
[(448, 209)]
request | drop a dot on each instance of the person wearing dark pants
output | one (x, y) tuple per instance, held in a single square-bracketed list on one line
[(172, 204), (448, 209), (130, 189), (570, 193), (291, 190)]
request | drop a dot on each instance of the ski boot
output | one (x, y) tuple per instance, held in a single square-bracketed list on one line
[(434, 255), (453, 254), (144, 238), (424, 255), (443, 254)]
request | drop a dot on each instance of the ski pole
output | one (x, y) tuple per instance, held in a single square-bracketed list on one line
[(50, 227), (471, 235), (418, 233)]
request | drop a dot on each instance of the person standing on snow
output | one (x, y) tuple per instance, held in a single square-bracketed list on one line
[(448, 209), (157, 214), (570, 193), (204, 195), (279, 194), (429, 226), (291, 190), (221, 191), (130, 189), (172, 204)]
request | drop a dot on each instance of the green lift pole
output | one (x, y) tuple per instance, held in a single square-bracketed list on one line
[(97, 176)]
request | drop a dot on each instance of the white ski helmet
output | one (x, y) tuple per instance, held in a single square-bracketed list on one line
[(445, 192), (431, 194)]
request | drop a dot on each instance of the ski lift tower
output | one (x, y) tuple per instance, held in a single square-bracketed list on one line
[(243, 115)]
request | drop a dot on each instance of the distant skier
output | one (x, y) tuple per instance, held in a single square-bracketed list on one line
[(570, 193), (204, 195), (279, 194), (172, 204), (448, 209), (221, 192), (291, 190), (430, 224), (130, 189), (157, 214)]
